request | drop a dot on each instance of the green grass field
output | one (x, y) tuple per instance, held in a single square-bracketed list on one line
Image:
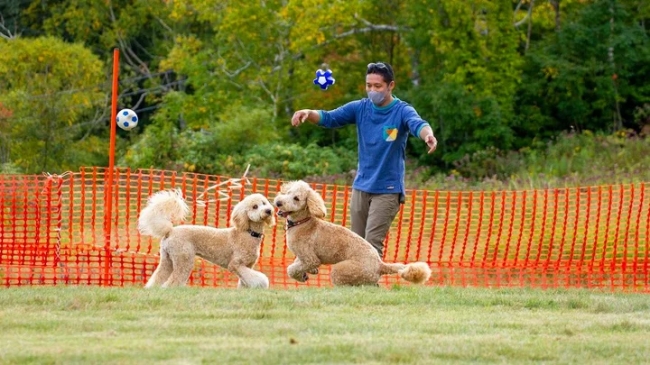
[(401, 325)]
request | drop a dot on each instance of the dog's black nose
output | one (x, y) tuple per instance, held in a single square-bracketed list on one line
[(278, 204), (268, 211)]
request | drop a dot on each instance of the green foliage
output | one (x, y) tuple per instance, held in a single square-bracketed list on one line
[(571, 159), (216, 78), (241, 130), (577, 78), (49, 93), (585, 153), (243, 137), (237, 64), (471, 75), (137, 27), (142, 32), (468, 124), (293, 161), (9, 168), (642, 115), (488, 163), (156, 147)]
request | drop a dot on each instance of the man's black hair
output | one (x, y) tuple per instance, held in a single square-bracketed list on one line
[(383, 69)]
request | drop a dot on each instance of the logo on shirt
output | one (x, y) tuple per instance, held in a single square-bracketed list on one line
[(390, 134)]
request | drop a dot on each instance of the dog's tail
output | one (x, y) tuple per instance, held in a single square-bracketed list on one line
[(164, 209), (416, 272)]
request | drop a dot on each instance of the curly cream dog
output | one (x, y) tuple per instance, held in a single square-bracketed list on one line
[(236, 248), (317, 242)]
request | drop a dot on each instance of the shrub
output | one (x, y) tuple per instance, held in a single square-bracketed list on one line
[(572, 159), (292, 161)]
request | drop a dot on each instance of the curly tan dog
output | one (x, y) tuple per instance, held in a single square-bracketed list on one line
[(236, 248), (317, 242)]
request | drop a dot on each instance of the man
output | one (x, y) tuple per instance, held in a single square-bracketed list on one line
[(383, 123)]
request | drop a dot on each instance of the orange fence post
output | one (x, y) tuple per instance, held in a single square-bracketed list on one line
[(108, 192)]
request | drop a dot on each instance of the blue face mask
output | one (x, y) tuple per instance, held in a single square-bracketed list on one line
[(376, 97)]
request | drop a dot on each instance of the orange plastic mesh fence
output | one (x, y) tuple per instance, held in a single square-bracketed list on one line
[(52, 232)]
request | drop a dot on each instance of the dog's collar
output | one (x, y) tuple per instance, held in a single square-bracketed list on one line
[(293, 224), (255, 234)]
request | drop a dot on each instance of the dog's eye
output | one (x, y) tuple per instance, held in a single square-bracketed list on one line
[(255, 206), (296, 198)]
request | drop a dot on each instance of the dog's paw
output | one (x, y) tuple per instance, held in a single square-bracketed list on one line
[(313, 271), (296, 273), (300, 276)]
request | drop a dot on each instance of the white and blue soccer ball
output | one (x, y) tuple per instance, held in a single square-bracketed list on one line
[(324, 78), (127, 119)]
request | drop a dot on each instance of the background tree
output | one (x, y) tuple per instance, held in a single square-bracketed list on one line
[(52, 100), (468, 78), (588, 76)]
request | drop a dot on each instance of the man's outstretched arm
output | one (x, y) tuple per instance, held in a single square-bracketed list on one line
[(303, 115), (426, 134)]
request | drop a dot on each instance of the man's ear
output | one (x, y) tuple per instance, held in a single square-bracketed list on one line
[(391, 86)]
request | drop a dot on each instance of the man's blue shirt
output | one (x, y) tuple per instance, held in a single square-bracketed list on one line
[(381, 133)]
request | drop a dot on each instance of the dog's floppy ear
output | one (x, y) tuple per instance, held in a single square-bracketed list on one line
[(239, 217), (316, 205)]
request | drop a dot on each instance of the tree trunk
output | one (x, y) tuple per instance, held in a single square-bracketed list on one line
[(556, 7), (618, 119), (530, 24), (415, 67)]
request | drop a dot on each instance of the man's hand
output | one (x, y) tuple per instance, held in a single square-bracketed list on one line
[(432, 142), (299, 117)]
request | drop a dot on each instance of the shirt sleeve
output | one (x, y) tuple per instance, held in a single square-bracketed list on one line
[(413, 121), (344, 115)]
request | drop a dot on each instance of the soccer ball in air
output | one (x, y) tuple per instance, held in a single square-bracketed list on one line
[(126, 119), (324, 78)]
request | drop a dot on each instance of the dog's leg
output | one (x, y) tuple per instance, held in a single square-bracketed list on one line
[(350, 272), (183, 266), (248, 278), (296, 272), (298, 269), (162, 272)]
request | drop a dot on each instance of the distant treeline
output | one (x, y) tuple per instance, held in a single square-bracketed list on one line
[(215, 81)]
